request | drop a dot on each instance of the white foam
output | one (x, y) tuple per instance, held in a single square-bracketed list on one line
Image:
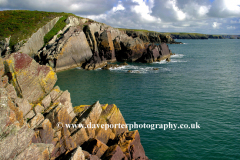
[(139, 69), (175, 61), (161, 62), (177, 56)]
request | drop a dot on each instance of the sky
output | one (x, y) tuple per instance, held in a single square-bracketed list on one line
[(194, 16)]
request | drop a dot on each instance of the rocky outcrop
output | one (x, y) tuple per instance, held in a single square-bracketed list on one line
[(43, 125), (92, 45)]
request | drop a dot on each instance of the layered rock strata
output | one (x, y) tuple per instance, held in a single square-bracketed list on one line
[(90, 45), (34, 116)]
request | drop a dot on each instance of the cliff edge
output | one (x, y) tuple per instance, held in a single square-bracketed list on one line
[(38, 122), (66, 41)]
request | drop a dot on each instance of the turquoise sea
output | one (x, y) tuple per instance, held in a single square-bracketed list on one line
[(200, 84)]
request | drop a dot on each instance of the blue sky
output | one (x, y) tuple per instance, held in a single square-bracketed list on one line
[(196, 16)]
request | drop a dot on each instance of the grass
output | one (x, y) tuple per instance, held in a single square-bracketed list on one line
[(21, 24), (57, 27)]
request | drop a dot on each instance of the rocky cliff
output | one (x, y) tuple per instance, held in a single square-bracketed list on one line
[(89, 44), (34, 118)]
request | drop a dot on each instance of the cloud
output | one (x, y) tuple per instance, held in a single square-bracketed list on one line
[(231, 27), (73, 6), (205, 16), (225, 8), (216, 25)]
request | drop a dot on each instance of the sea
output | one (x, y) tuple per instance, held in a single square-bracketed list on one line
[(198, 91)]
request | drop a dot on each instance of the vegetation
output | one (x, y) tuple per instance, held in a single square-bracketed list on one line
[(21, 24), (57, 27)]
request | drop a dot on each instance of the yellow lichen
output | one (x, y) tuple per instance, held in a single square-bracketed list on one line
[(104, 107), (79, 109)]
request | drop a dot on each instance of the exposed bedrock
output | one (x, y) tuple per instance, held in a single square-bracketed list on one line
[(34, 114), (92, 45)]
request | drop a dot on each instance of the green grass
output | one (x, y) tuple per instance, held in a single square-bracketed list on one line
[(21, 24), (57, 27)]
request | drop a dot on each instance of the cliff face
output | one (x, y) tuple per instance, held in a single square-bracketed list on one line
[(34, 114), (88, 44)]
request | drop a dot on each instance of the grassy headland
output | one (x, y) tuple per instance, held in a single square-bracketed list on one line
[(21, 24)]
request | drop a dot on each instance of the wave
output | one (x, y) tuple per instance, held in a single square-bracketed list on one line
[(161, 62), (139, 69), (174, 61), (177, 56)]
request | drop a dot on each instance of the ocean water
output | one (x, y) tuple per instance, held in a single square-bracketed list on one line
[(200, 84)]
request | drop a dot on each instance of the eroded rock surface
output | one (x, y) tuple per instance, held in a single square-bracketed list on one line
[(43, 125)]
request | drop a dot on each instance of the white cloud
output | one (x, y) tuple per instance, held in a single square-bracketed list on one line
[(225, 8), (144, 10), (118, 8), (216, 25), (221, 16)]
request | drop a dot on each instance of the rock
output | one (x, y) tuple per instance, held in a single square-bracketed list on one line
[(129, 71), (46, 101), (76, 154), (31, 80), (4, 81), (95, 147), (106, 45), (35, 42), (91, 116), (10, 89), (38, 108), (129, 49), (80, 136), (65, 100), (104, 134), (73, 53), (44, 133), (155, 69), (15, 142), (24, 106), (64, 144), (30, 115), (113, 116), (39, 118), (55, 93), (35, 152), (130, 144), (113, 153)]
